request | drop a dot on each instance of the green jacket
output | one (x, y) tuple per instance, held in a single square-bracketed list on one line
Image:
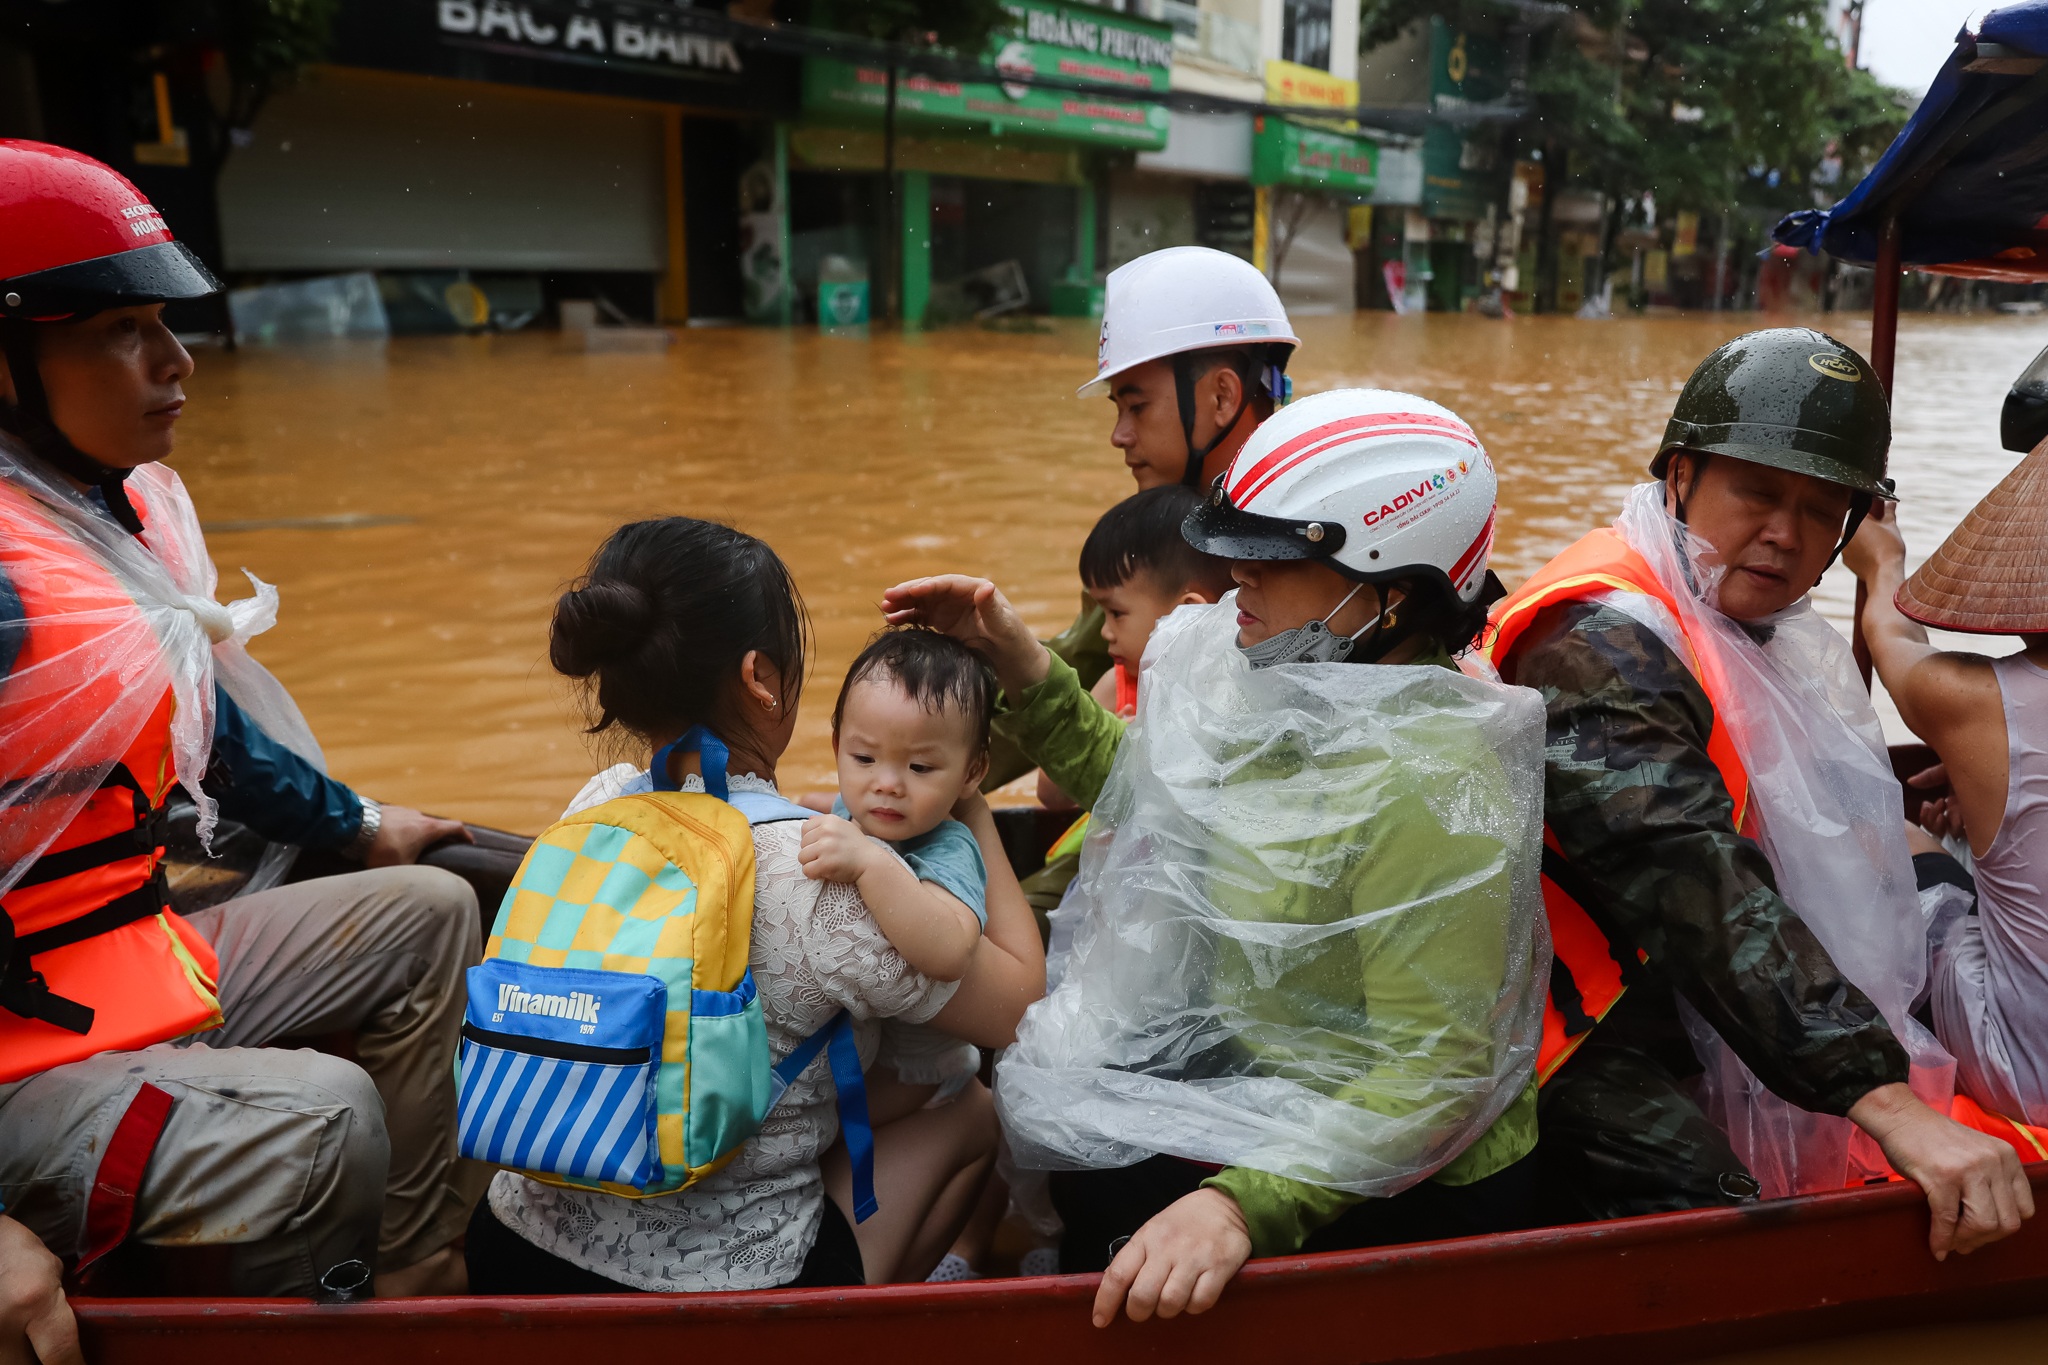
[(1075, 740), (1082, 648)]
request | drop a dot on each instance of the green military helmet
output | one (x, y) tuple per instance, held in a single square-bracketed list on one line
[(1792, 398)]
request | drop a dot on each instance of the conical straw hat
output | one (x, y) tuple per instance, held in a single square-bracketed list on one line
[(1991, 575)]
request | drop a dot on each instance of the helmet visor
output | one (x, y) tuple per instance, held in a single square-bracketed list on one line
[(1217, 528), (148, 274)]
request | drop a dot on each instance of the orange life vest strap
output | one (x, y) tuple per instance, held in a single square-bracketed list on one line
[(22, 989), (1594, 964), (1602, 561)]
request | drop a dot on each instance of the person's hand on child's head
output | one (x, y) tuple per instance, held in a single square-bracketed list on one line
[(974, 612), (833, 850)]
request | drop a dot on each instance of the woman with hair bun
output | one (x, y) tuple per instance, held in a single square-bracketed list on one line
[(680, 623)]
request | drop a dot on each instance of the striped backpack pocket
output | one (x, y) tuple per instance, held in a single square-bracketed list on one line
[(613, 1038)]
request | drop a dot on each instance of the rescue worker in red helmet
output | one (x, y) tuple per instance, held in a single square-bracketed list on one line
[(134, 1042)]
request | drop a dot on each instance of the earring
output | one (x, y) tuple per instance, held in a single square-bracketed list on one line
[(1392, 620)]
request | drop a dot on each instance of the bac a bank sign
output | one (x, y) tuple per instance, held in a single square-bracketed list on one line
[(634, 48)]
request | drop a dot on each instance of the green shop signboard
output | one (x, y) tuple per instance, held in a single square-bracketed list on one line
[(1461, 163), (1072, 42), (1285, 153)]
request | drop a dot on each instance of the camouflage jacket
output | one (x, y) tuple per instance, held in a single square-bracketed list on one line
[(1640, 811)]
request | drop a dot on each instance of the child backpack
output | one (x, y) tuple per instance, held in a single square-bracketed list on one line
[(613, 1039)]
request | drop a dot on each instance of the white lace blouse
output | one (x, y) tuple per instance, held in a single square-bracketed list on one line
[(816, 950)]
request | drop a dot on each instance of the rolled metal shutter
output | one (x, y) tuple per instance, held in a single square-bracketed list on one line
[(352, 170)]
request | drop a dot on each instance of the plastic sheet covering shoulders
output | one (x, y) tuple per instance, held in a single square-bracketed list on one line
[(72, 709), (1309, 935), (1824, 807), (1968, 175)]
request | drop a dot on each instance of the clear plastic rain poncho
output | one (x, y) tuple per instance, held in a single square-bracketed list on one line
[(85, 682), (1826, 810), (1308, 924)]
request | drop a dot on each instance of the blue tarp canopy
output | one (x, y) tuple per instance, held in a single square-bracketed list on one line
[(1968, 177)]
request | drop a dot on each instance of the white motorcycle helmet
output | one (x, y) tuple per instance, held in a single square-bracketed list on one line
[(1379, 485), (1175, 303)]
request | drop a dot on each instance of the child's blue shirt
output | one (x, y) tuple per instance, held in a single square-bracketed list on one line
[(948, 856)]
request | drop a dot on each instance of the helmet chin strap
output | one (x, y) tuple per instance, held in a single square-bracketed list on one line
[(1859, 508), (1184, 394), (28, 417)]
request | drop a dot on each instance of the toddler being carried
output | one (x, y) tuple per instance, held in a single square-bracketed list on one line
[(910, 735)]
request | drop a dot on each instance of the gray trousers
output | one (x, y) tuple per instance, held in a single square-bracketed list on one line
[(297, 1159)]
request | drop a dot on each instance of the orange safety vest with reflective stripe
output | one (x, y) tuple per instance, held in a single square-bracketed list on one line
[(98, 962), (1593, 967), (2028, 1140)]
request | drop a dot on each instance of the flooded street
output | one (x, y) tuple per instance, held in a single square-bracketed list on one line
[(420, 503)]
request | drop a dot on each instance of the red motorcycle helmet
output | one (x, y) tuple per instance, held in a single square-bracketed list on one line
[(76, 238)]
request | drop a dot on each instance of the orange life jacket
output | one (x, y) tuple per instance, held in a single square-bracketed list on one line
[(1594, 965), (1126, 692), (2026, 1139), (99, 962)]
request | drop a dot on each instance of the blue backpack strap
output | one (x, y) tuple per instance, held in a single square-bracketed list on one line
[(767, 808), (836, 1041), (712, 753)]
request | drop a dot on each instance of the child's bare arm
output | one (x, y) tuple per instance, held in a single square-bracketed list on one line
[(933, 929)]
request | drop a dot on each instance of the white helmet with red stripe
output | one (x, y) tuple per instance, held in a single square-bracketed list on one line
[(1377, 484)]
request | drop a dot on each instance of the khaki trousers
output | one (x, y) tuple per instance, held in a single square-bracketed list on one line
[(297, 1159)]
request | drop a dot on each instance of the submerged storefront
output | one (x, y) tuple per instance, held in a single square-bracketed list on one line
[(997, 185), (1309, 178), (581, 146)]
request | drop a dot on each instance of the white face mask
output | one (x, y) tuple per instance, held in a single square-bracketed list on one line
[(1314, 643)]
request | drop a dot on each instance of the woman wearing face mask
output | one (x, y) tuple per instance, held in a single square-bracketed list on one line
[(1305, 990)]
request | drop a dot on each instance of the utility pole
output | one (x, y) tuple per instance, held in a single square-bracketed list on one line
[(1852, 33)]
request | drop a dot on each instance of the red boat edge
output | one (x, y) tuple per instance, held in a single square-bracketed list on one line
[(1678, 1286)]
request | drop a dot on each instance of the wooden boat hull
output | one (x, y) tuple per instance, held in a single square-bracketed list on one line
[(1667, 1287)]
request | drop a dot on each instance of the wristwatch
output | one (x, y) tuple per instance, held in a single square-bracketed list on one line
[(366, 833)]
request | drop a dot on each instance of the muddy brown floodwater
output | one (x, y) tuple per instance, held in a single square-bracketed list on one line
[(420, 503)]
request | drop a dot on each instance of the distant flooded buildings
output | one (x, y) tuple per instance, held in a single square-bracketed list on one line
[(488, 159)]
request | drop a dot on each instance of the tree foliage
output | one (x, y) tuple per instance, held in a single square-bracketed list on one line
[(264, 44), (1703, 103)]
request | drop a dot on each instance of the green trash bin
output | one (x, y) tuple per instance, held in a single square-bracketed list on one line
[(1072, 298), (842, 294)]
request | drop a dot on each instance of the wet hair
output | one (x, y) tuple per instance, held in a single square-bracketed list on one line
[(1248, 363), (1143, 533), (1430, 607), (658, 625), (937, 671)]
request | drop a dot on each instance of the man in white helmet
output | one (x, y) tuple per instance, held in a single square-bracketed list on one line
[(1275, 785), (1193, 353)]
